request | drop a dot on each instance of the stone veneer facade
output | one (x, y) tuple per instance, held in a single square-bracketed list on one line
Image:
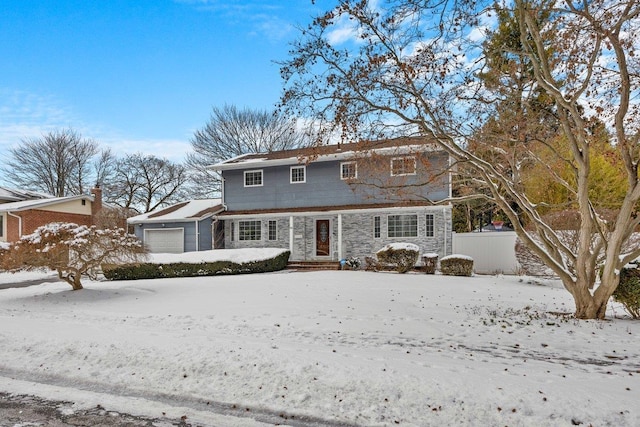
[(357, 232)]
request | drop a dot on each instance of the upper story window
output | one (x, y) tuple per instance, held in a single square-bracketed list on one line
[(298, 174), (402, 226), (253, 178), (403, 166), (348, 170)]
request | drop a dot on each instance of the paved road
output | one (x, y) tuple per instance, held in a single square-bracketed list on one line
[(32, 411), (25, 283)]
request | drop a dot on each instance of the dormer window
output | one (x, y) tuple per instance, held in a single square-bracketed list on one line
[(348, 170), (253, 178), (403, 166), (298, 174)]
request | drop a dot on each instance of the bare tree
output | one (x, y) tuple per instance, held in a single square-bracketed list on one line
[(58, 163), (413, 66), (146, 182), (231, 132)]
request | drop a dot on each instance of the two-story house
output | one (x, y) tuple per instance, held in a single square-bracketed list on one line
[(337, 201)]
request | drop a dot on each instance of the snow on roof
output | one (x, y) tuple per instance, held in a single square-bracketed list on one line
[(14, 195), (38, 203), (328, 152), (189, 210)]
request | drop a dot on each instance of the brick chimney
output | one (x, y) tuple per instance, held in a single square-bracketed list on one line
[(96, 207)]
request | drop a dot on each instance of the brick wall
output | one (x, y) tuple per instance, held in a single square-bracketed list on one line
[(35, 218)]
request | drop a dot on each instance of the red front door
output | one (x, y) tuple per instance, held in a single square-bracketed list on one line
[(322, 238)]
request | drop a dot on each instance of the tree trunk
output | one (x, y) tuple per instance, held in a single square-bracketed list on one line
[(588, 305), (72, 279)]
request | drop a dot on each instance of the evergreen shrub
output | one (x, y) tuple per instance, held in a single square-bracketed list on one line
[(401, 255), (456, 265), (628, 291), (183, 269)]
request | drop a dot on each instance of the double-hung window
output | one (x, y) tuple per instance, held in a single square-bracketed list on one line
[(273, 230), (376, 227), (402, 226), (298, 174), (253, 178), (430, 226), (249, 230), (348, 170), (403, 166)]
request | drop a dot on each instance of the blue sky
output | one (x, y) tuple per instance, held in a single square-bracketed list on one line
[(139, 75)]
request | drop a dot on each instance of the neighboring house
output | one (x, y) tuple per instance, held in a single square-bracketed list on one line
[(18, 218), (333, 202), (183, 227), (9, 195)]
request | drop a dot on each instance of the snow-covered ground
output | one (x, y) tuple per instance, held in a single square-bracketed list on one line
[(323, 348)]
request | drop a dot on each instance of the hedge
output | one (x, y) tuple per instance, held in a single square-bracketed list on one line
[(183, 269)]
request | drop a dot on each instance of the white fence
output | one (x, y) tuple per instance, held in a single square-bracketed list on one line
[(492, 252)]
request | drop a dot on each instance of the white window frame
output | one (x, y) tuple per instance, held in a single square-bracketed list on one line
[(304, 174), (432, 232), (258, 230), (377, 227), (355, 175), (403, 231), (404, 160), (275, 229), (261, 171)]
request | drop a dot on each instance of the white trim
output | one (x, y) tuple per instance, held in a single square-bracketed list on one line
[(304, 174), (3, 225), (353, 162), (403, 158), (260, 228), (244, 176), (340, 236), (398, 209), (291, 230), (404, 237)]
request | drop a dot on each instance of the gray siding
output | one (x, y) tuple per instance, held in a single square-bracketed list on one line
[(323, 187), (189, 228)]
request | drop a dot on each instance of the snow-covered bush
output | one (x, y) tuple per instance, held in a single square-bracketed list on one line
[(147, 270), (402, 255), (72, 250), (456, 265), (628, 291), (430, 262)]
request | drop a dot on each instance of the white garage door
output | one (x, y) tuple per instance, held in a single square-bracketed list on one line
[(165, 241)]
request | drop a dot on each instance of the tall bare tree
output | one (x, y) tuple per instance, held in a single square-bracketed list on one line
[(412, 66), (231, 132), (146, 182), (58, 163)]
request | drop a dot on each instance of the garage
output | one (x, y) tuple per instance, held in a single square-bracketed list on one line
[(166, 240)]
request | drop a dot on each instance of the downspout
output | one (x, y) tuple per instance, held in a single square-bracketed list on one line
[(19, 223), (339, 236), (444, 216), (291, 237)]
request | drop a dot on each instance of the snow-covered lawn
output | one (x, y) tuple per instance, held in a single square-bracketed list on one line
[(323, 348)]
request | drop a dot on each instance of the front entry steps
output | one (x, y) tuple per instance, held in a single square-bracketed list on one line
[(313, 265)]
